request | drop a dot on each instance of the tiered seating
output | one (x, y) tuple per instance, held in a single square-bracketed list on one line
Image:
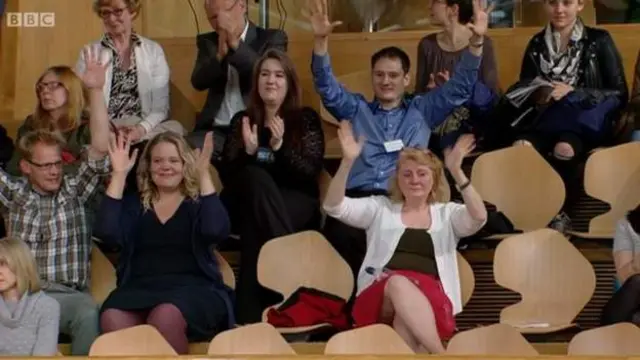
[(552, 276), (521, 184), (376, 339), (255, 339), (497, 339), (310, 262)]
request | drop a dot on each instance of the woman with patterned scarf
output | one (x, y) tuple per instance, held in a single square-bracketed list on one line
[(582, 97)]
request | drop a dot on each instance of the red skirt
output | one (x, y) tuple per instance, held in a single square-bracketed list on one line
[(367, 308)]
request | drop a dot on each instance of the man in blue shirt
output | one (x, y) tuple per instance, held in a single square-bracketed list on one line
[(391, 121)]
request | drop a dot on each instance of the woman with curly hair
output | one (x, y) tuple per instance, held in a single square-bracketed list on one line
[(168, 276)]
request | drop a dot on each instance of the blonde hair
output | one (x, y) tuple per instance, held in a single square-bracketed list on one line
[(30, 139), (422, 157), (17, 256), (190, 185), (133, 6), (74, 106)]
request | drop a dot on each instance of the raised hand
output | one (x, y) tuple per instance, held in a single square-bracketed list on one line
[(317, 12), (277, 133), (121, 160), (351, 148), (480, 22), (249, 136), (94, 73), (203, 156), (463, 147)]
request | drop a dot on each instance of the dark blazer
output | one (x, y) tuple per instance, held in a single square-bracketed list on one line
[(211, 74), (602, 74), (117, 225)]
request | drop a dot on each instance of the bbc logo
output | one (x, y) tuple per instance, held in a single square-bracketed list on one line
[(31, 19)]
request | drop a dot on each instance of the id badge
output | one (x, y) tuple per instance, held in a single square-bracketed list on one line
[(393, 145), (265, 155)]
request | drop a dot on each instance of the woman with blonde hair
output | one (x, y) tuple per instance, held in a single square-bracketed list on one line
[(409, 277), (61, 108), (28, 318), (168, 276)]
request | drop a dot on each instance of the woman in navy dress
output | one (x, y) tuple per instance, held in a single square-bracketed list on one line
[(168, 276)]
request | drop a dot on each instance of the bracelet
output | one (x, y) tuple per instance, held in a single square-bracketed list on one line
[(477, 45), (464, 186)]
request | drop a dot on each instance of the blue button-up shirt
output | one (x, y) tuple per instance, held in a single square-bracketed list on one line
[(411, 122)]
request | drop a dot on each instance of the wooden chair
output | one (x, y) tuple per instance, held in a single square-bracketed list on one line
[(621, 339), (554, 279), (141, 340), (103, 275), (228, 277), (303, 259), (378, 339), (521, 184), (254, 339), (467, 279), (612, 175), (496, 339)]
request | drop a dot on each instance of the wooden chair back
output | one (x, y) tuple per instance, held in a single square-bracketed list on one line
[(496, 339), (613, 176), (254, 339), (304, 259), (376, 339), (467, 279), (553, 277), (622, 339), (228, 277), (521, 184), (103, 276), (141, 340)]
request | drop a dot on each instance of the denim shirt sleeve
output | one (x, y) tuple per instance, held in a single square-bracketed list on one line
[(341, 103), (437, 104)]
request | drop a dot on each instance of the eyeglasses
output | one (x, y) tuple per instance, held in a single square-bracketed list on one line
[(50, 86), (105, 13), (47, 166)]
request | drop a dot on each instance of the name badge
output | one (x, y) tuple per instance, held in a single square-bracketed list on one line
[(393, 146), (265, 155)]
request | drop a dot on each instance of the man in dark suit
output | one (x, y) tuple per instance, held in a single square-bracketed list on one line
[(224, 66)]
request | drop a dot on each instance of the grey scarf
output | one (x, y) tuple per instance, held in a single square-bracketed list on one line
[(11, 314), (559, 65)]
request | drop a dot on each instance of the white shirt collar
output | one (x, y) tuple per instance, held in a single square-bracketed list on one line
[(246, 28)]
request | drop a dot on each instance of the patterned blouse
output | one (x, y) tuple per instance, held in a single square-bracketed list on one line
[(124, 100)]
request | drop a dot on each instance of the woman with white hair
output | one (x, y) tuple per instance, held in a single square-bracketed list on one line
[(137, 86)]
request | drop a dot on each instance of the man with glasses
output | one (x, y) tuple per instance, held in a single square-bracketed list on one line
[(46, 209), (224, 66)]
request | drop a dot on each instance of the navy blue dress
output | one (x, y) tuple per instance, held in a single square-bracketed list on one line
[(164, 270)]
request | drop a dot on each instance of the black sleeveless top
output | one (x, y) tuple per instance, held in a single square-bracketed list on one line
[(415, 252)]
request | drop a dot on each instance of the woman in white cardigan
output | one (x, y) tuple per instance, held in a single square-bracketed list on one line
[(409, 277), (137, 80)]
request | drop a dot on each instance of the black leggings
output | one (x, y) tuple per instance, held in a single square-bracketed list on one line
[(624, 305)]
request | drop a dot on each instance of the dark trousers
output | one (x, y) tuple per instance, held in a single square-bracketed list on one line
[(624, 305), (264, 211), (349, 242)]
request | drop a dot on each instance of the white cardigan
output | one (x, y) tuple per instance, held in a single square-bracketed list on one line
[(382, 221), (153, 79)]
